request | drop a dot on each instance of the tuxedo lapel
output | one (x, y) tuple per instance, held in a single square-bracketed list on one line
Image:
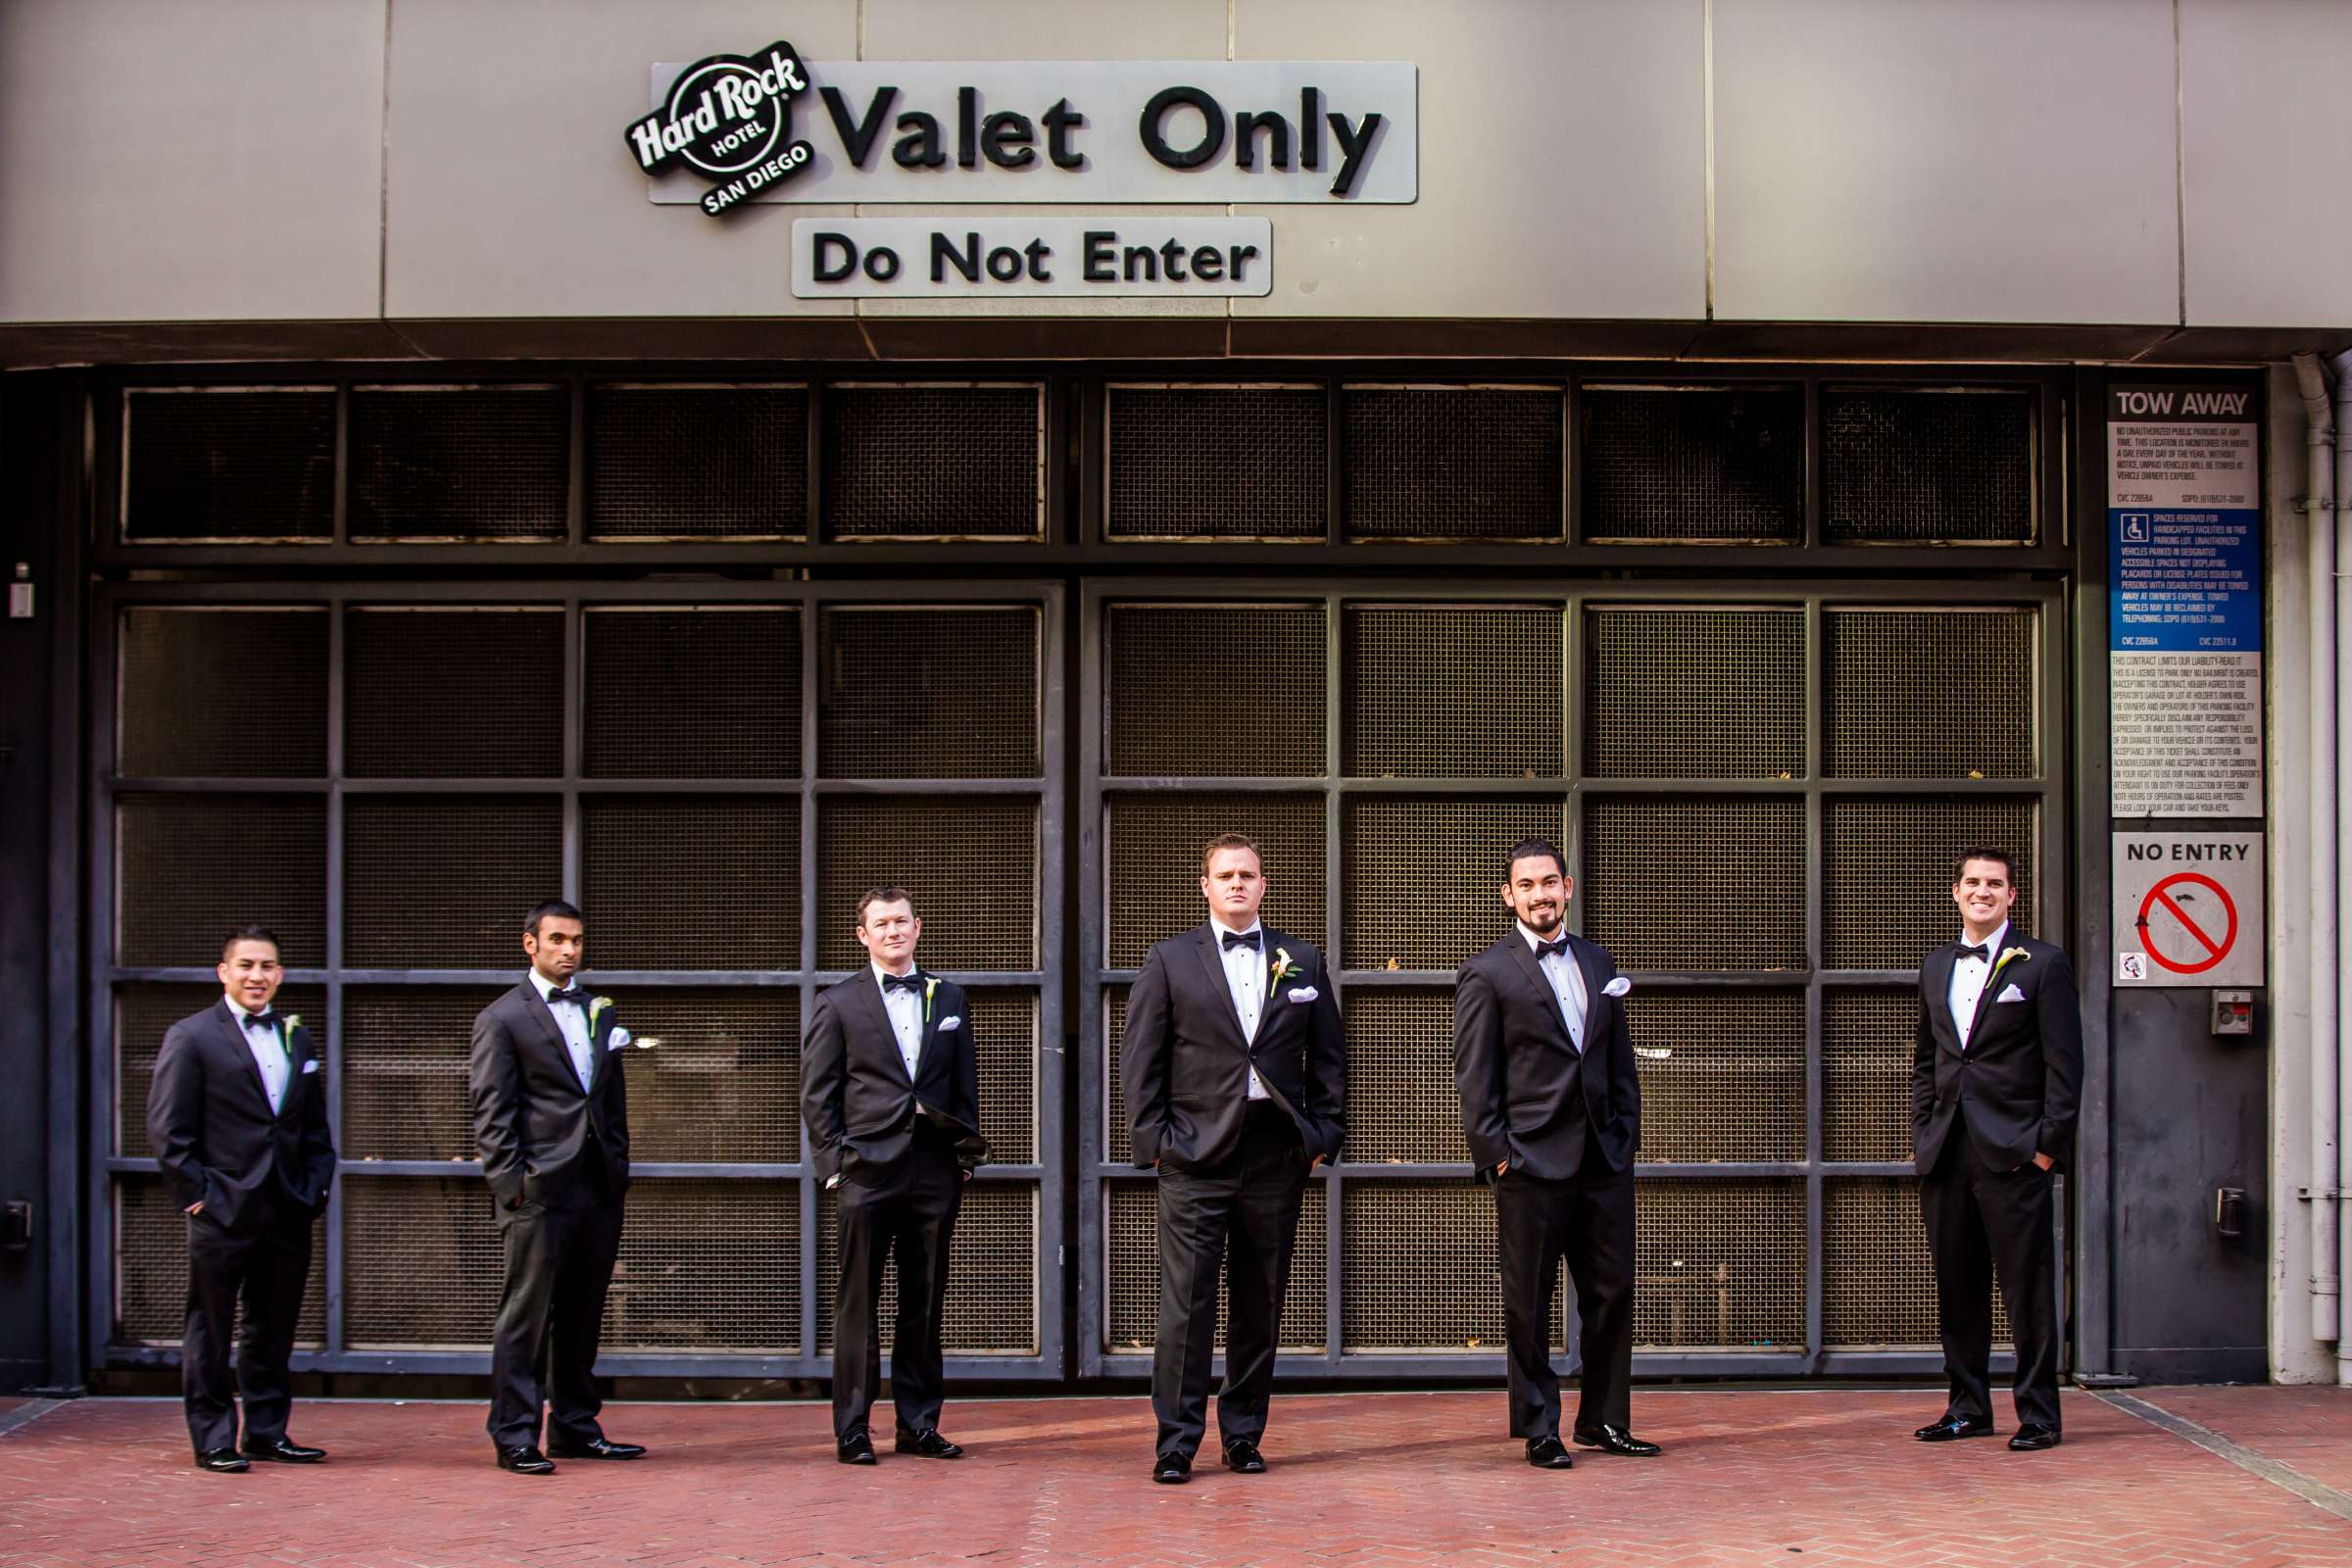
[(926, 1030), (1525, 956), (1993, 982), (1938, 977), (1589, 972), (1212, 959), (878, 1015), (231, 1030), (551, 1033)]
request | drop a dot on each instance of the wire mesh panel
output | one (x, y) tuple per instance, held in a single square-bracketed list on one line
[(970, 860), (1723, 1073), (714, 1074), (992, 1274), (1905, 463), (1214, 689), (145, 1013), (1674, 693), (1131, 1255), (700, 693), (1889, 872), (1447, 691), (242, 464), (1932, 692), (695, 462), (453, 693), (1454, 462), (1154, 861), (1866, 1041), (442, 881), (678, 882), (405, 1056), (1210, 461), (1688, 882), (1423, 878), (942, 461), (928, 692), (422, 1263), (185, 700), (1004, 1033), (1118, 1135), (1418, 1267), (151, 1269), (1877, 1284), (191, 867), (1693, 463), (708, 1266), (460, 462), (1720, 1264), (1402, 1102)]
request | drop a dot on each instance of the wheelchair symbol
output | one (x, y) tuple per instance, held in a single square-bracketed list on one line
[(2136, 528)]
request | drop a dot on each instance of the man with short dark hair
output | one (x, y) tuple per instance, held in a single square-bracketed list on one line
[(238, 1115), (551, 1113), (1235, 1075), (1551, 1104), (1996, 1077)]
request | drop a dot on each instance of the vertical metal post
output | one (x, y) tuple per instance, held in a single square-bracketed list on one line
[(1335, 904), (75, 914), (337, 1013), (810, 654), (1816, 718)]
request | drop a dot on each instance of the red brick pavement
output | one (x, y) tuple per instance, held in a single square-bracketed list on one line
[(2305, 1429), (1359, 1481)]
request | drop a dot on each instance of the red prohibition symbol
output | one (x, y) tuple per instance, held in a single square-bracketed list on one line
[(2216, 948)]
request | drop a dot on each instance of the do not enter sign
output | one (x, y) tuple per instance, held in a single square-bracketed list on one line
[(2188, 909)]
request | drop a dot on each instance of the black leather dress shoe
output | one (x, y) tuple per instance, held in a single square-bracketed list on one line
[(596, 1448), (284, 1451), (927, 1444), (1171, 1470), (2034, 1437), (1547, 1453), (527, 1460), (1953, 1428), (222, 1461), (1243, 1458), (1616, 1440), (856, 1449)]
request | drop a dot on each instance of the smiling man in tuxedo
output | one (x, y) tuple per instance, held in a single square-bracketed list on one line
[(1997, 1080), (551, 1113), (1551, 1103), (890, 1092), (237, 1115), (1236, 1077)]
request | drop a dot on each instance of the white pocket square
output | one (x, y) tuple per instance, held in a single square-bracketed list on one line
[(618, 1039), (310, 1065), (2010, 993), (1617, 987), (1304, 992), (954, 1020)]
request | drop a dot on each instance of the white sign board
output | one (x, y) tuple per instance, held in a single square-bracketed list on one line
[(2188, 909), (1030, 258)]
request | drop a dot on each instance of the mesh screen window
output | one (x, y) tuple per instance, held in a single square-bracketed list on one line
[(927, 692), (1454, 462), (703, 463), (1210, 461), (1163, 719), (249, 465), (1951, 465), (1667, 462), (460, 462), (187, 677), (704, 691), (934, 462)]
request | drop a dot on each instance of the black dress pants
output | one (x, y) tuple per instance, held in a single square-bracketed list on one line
[(1588, 1221), (559, 1266), (1242, 1212), (266, 1267), (908, 1208), (1980, 1219)]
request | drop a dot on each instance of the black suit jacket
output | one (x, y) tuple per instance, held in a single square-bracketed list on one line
[(2020, 1081), (1522, 1084), (210, 1120), (543, 1138), (1184, 1067), (857, 1100)]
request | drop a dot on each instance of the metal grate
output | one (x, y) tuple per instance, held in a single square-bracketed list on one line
[(1878, 1284), (1421, 887), (151, 1271), (1691, 882), (992, 1274), (1906, 463), (923, 692), (190, 869), (1932, 692), (460, 462), (937, 461), (442, 881), (1719, 1265), (1005, 1034), (702, 693), (144, 1014), (1169, 709), (1453, 692), (422, 1263), (1131, 1220), (698, 461), (672, 882), (1723, 1073), (453, 693), (1454, 462), (1154, 865), (970, 860), (708, 1266), (1418, 1268), (1211, 461), (405, 1053), (228, 464), (1693, 463), (188, 675), (1889, 872), (1696, 694), (716, 1073), (1402, 1102), (1118, 1141), (1866, 1041)]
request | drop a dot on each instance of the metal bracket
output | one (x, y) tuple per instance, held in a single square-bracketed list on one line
[(2324, 1194)]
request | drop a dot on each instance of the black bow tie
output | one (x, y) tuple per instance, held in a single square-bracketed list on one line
[(911, 980), (1240, 939), (575, 994), (1973, 953), (261, 1020), (1552, 949)]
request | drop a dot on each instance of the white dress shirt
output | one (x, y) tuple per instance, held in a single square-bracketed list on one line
[(1567, 986), (906, 1009), (1968, 977), (1246, 978), (572, 1018), (269, 1047)]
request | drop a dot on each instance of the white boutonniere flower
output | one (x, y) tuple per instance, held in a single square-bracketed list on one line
[(2002, 962), (596, 1010), (293, 1023), (930, 988), (1284, 963)]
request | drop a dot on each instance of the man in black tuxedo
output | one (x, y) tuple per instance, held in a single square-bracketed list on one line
[(550, 1112), (1236, 1077), (1551, 1103), (238, 1115), (890, 1092), (1997, 1080)]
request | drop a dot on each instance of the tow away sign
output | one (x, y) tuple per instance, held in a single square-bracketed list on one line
[(2188, 909)]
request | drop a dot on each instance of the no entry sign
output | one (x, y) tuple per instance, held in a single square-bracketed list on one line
[(2188, 909)]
